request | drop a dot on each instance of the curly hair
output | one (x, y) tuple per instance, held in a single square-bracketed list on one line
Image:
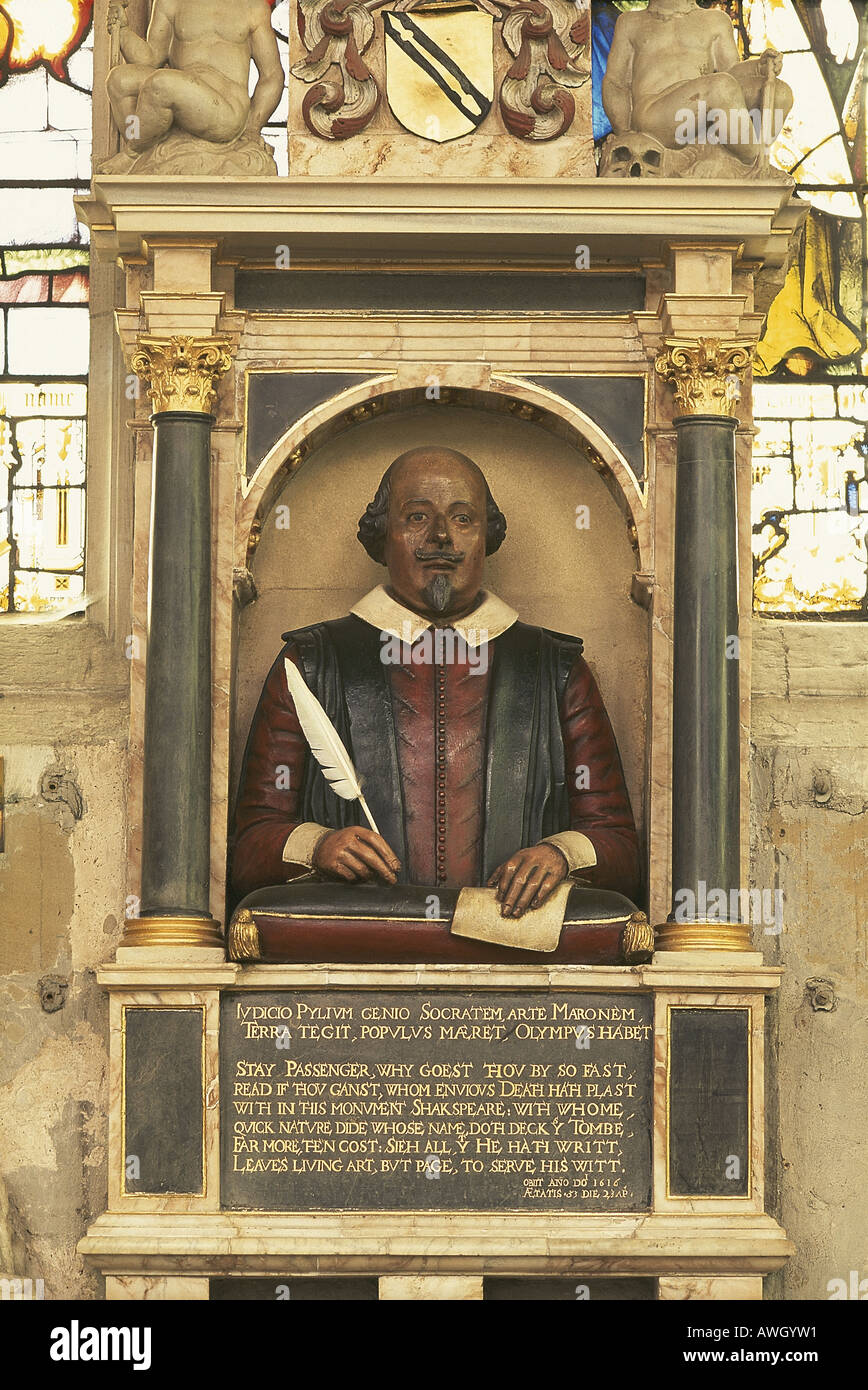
[(372, 524)]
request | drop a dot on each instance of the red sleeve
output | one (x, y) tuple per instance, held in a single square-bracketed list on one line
[(599, 803), (269, 794)]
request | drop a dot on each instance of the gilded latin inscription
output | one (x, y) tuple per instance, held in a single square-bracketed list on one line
[(413, 1101)]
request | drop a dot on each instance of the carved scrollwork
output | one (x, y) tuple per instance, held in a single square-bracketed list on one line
[(704, 374), (344, 94), (548, 39), (181, 372)]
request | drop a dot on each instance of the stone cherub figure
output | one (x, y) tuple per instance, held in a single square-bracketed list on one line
[(481, 742), (680, 99), (180, 99)]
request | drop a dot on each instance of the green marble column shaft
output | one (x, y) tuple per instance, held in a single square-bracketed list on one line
[(705, 734), (177, 748)]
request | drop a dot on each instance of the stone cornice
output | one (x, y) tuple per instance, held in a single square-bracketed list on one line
[(508, 1242), (622, 221)]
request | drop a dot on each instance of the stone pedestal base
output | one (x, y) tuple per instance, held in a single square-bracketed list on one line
[(443, 1288), (179, 1216), (121, 1288), (723, 1288)]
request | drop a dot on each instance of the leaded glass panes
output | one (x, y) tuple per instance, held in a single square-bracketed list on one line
[(810, 499), (810, 495), (45, 84), (274, 133)]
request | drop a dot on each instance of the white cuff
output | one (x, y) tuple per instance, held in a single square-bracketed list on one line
[(301, 845), (576, 848)]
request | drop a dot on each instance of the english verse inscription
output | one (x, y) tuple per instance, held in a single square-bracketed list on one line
[(393, 1100)]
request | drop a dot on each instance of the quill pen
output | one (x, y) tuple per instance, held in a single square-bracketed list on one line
[(325, 742)]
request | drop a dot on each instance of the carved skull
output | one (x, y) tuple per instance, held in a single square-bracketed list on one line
[(632, 155)]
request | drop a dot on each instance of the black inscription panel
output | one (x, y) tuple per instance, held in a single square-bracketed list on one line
[(709, 1098), (163, 1122), (396, 1100)]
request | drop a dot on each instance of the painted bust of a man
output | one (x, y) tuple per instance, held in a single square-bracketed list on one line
[(483, 745)]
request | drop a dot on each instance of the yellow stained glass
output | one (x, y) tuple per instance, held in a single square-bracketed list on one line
[(43, 259), (809, 499), (772, 485), (820, 567), (41, 33)]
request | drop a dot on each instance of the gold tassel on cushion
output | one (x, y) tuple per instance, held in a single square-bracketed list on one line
[(244, 941), (637, 943)]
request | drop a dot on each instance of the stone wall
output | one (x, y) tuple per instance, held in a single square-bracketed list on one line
[(63, 719), (808, 831)]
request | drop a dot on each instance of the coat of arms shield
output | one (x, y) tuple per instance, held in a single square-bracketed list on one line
[(439, 70)]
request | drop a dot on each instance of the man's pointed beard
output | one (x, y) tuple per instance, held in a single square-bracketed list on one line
[(439, 592)]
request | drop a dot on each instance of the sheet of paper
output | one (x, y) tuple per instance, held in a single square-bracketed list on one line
[(477, 916)]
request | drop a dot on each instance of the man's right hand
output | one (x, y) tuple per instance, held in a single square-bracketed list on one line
[(356, 855)]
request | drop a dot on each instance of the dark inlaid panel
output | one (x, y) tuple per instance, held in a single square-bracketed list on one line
[(275, 400), (575, 1290), (286, 1289), (521, 292), (709, 1139), (615, 403), (163, 1100)]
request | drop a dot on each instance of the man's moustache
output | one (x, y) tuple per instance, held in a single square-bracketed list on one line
[(439, 555)]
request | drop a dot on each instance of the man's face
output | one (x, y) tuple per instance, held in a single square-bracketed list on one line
[(435, 534)]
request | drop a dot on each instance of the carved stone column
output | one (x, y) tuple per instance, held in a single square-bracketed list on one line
[(704, 375), (182, 375)]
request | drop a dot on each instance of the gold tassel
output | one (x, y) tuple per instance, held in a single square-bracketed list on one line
[(244, 941), (637, 942)]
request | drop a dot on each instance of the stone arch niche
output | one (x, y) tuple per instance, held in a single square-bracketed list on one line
[(296, 546)]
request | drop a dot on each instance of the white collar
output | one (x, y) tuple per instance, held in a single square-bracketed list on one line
[(488, 620)]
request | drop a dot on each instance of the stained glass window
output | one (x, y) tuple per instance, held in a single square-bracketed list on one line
[(810, 497), (275, 131), (810, 494), (46, 77)]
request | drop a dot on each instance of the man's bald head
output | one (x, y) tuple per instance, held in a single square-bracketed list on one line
[(428, 456), (432, 523), (372, 526)]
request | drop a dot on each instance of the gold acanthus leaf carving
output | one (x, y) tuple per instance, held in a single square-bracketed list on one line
[(181, 372), (704, 374)]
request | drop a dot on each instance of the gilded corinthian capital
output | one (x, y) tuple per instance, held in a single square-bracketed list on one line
[(181, 372), (704, 374)]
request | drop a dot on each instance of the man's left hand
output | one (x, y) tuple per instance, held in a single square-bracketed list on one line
[(528, 878)]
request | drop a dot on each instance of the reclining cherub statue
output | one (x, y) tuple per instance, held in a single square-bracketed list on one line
[(681, 101), (180, 98)]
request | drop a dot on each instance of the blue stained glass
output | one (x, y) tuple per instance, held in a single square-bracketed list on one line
[(602, 31)]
